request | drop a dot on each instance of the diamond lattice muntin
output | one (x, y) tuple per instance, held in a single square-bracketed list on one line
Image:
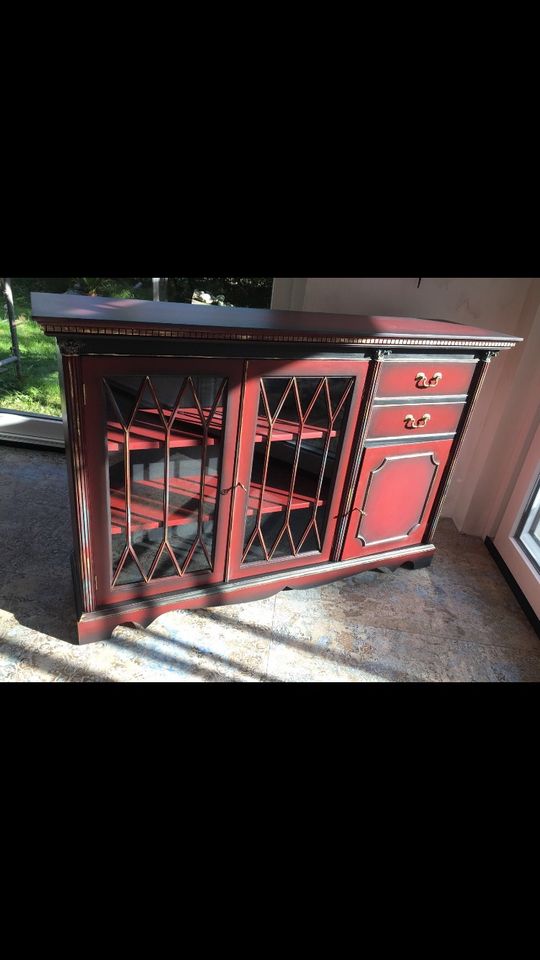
[(164, 439), (297, 444)]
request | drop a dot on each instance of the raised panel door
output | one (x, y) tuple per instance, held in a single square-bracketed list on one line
[(396, 491)]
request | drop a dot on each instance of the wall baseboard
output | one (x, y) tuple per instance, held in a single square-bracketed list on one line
[(514, 585)]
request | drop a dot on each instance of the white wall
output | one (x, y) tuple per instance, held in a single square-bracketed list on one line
[(480, 301), (506, 304), (518, 399)]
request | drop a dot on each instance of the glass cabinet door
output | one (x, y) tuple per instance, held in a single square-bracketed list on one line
[(297, 431), (167, 432)]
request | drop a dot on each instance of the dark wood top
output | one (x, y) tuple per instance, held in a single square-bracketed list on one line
[(64, 313)]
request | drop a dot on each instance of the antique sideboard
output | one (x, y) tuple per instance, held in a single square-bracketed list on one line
[(220, 455)]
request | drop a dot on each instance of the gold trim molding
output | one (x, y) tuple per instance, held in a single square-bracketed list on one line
[(263, 335)]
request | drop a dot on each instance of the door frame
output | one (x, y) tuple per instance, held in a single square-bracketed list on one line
[(518, 563)]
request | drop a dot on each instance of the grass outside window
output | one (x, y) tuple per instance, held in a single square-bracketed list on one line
[(38, 391)]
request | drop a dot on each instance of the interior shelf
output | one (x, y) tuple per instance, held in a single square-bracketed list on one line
[(147, 507), (287, 430), (149, 437), (147, 502), (282, 430), (187, 431)]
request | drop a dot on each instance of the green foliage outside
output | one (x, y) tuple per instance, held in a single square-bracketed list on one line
[(38, 391)]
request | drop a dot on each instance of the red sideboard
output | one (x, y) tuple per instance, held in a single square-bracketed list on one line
[(220, 455)]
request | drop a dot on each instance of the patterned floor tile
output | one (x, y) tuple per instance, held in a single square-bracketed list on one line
[(455, 621)]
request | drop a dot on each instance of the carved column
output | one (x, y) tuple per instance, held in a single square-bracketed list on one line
[(71, 367), (377, 358)]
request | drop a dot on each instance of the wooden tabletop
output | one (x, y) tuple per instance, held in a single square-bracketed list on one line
[(79, 314)]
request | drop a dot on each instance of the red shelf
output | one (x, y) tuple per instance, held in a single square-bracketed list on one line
[(283, 429), (276, 500), (287, 430), (147, 510), (149, 437), (188, 432)]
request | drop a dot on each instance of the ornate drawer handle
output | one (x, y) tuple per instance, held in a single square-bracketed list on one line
[(235, 485), (422, 380), (348, 513), (412, 424)]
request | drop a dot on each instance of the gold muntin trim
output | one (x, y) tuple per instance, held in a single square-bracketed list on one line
[(263, 335)]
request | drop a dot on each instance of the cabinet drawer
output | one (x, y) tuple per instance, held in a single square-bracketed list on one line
[(399, 420), (425, 377)]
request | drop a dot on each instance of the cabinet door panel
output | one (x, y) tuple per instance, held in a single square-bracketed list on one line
[(161, 437), (395, 493), (297, 428)]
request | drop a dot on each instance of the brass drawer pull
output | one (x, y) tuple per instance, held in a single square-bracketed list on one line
[(422, 380), (412, 424)]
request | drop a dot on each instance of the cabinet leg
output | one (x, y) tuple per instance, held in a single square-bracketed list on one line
[(409, 564), (418, 564)]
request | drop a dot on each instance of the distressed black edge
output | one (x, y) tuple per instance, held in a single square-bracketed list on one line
[(514, 585)]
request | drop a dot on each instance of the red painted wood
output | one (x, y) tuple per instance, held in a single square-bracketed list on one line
[(148, 515), (189, 418), (85, 542), (396, 490), (398, 485), (250, 427), (283, 429), (390, 421), (89, 314), (398, 378), (148, 438), (276, 499), (95, 369), (100, 625)]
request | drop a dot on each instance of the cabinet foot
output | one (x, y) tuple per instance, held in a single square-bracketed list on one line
[(418, 564), (409, 564), (100, 624)]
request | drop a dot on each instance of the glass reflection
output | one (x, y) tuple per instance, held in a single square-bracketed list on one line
[(164, 440), (298, 441)]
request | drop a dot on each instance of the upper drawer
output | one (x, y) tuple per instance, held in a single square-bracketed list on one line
[(425, 378)]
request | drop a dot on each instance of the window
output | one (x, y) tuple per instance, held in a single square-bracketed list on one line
[(528, 531)]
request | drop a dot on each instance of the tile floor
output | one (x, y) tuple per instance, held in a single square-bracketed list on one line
[(454, 621)]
